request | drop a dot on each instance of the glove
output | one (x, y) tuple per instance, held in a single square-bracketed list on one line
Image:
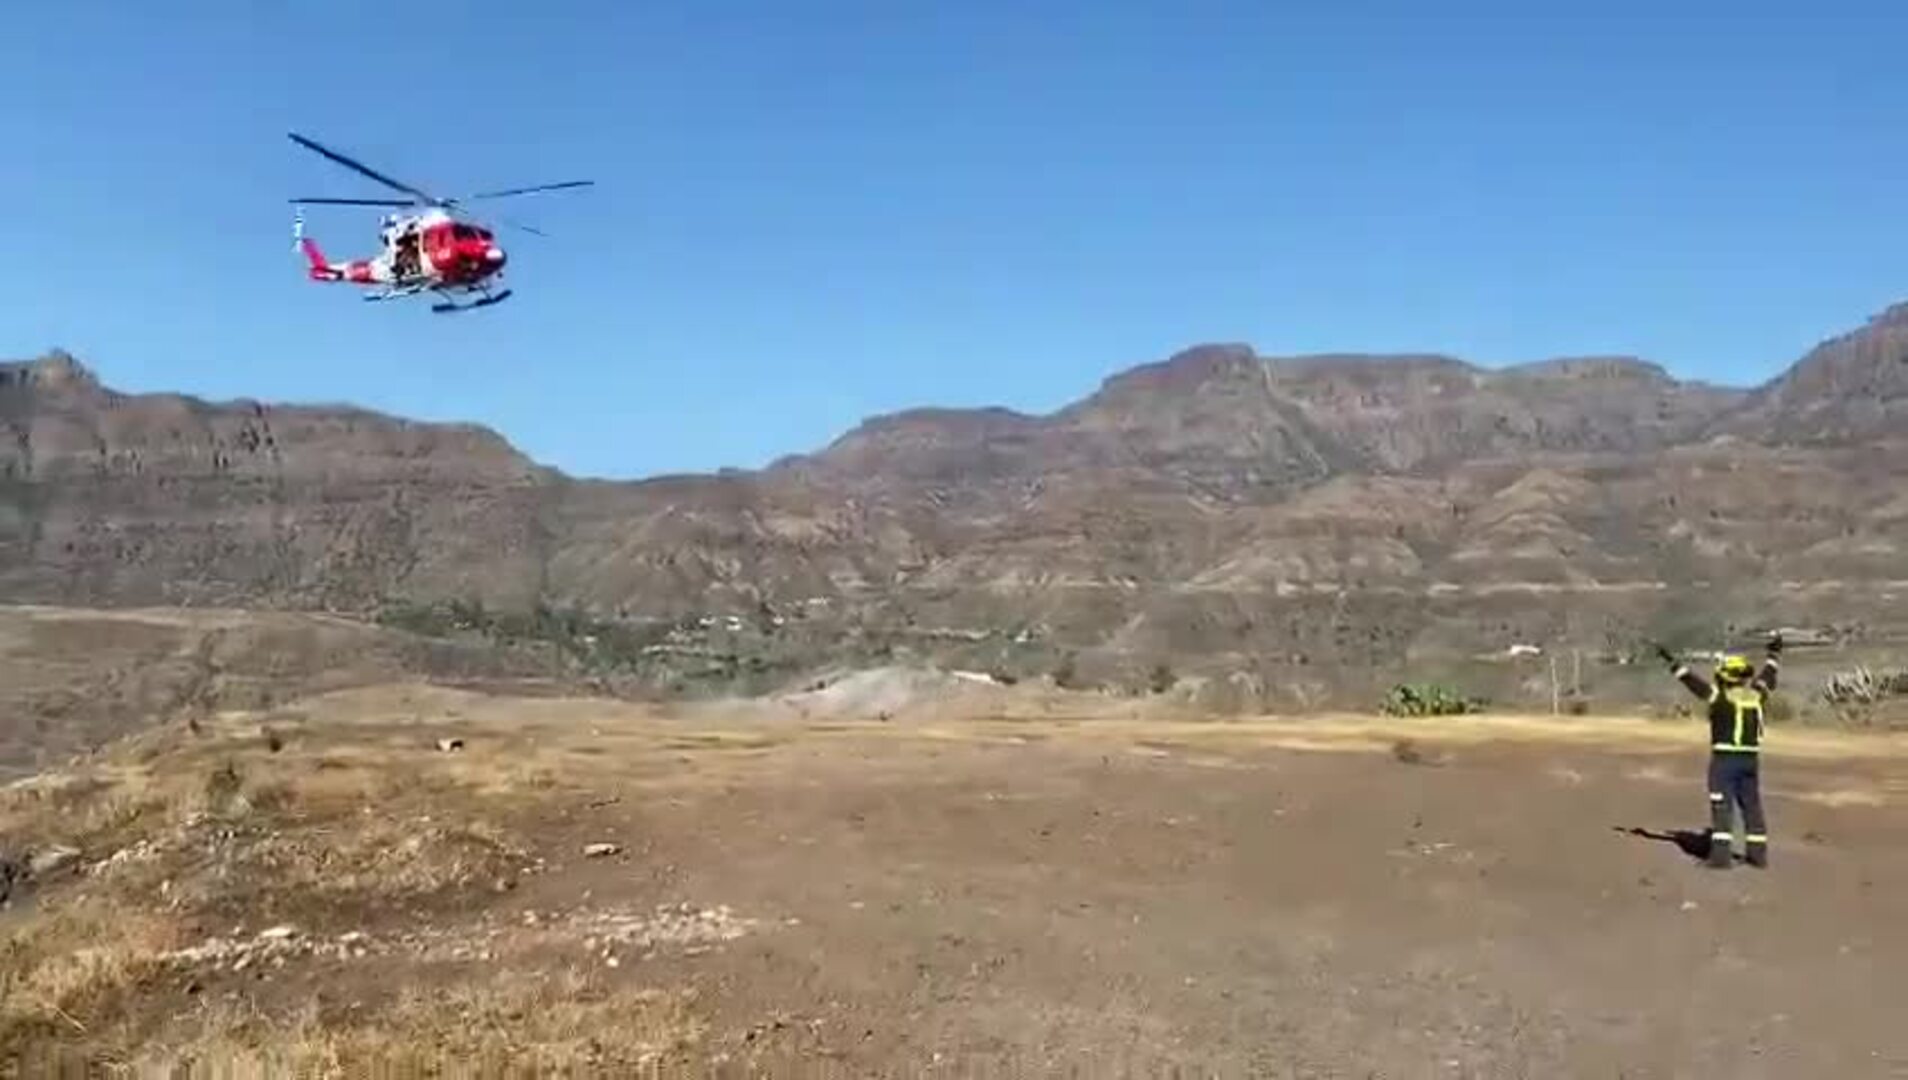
[(1775, 643), (1669, 658)]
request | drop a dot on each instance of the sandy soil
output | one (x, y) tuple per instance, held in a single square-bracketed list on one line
[(1035, 895)]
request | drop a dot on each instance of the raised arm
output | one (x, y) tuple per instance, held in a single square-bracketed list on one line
[(1766, 676), (1696, 684)]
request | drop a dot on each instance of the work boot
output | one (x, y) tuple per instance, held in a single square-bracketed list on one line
[(1758, 856), (1722, 853)]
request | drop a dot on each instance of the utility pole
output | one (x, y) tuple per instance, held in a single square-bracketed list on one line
[(1555, 705)]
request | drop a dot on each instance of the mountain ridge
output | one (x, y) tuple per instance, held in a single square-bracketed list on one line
[(59, 367), (1227, 511)]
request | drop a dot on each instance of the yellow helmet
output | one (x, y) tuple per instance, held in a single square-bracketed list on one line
[(1734, 669)]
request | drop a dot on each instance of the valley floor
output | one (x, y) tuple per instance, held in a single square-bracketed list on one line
[(996, 894)]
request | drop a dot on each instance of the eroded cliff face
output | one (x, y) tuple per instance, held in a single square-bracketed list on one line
[(164, 499), (1218, 508)]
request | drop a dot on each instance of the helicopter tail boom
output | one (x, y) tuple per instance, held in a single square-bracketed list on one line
[(357, 272), (316, 264), (319, 268)]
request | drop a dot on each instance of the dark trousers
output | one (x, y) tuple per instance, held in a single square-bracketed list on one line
[(1735, 783)]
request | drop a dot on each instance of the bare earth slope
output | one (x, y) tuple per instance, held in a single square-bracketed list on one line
[(74, 679), (1278, 521)]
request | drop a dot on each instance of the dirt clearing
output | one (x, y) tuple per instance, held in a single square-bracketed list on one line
[(582, 882)]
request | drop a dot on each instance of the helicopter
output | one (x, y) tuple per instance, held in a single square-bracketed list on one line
[(433, 248)]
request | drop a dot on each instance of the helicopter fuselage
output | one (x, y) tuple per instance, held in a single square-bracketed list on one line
[(431, 250)]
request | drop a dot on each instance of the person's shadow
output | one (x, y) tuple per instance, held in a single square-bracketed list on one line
[(1692, 842)]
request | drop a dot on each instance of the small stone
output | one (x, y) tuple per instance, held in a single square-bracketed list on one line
[(1689, 905), (52, 860), (597, 851), (613, 962), (351, 938), (278, 933)]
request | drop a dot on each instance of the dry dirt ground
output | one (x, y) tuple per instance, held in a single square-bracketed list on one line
[(1037, 889)]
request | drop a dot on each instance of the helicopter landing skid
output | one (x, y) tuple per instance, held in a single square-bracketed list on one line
[(448, 306), (394, 293)]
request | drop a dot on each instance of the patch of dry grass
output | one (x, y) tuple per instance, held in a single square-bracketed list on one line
[(234, 829), (55, 966), (385, 857), (518, 1025), (350, 820)]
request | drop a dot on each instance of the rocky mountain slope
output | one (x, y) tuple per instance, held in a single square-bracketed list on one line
[(1274, 519), (166, 499)]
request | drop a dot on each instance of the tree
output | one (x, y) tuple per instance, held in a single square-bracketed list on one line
[(1162, 678), (1065, 675)]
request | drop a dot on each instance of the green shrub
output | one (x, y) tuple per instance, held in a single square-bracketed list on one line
[(1428, 699), (1065, 674), (1862, 686), (595, 644), (1162, 678)]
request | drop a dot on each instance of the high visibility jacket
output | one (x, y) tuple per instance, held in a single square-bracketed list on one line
[(1736, 713), (1735, 718)]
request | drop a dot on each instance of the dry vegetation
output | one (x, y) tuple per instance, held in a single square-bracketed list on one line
[(531, 1025), (321, 890), (186, 838)]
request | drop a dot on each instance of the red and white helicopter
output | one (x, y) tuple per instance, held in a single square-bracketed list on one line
[(431, 249)]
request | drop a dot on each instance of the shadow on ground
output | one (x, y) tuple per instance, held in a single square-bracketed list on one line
[(1692, 842)]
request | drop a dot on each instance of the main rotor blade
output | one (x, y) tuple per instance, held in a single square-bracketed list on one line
[(532, 230), (361, 168), (356, 202), (528, 190)]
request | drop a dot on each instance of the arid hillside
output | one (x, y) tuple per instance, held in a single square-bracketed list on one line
[(72, 680), (1271, 521)]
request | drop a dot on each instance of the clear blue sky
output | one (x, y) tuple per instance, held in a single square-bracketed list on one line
[(810, 212)]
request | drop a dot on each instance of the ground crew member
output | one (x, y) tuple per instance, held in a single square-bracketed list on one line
[(1737, 707)]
